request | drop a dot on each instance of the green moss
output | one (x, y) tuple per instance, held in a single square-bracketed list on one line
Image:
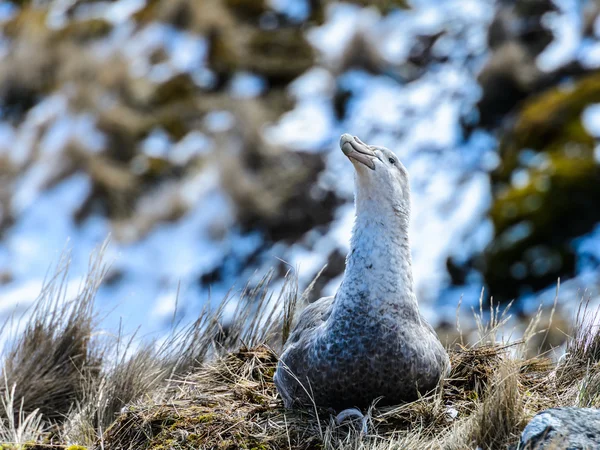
[(205, 418), (550, 121), (76, 447), (536, 222), (250, 443), (166, 444), (547, 193), (536, 219), (196, 440), (192, 420)]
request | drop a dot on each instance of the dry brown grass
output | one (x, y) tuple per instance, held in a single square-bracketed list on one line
[(210, 385), (232, 403), (46, 363)]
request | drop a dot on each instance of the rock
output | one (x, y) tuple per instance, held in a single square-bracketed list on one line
[(565, 428)]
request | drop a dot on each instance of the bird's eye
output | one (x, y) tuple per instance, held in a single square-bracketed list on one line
[(392, 161)]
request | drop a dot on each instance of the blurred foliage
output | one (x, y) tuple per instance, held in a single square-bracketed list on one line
[(52, 59), (536, 219), (544, 189)]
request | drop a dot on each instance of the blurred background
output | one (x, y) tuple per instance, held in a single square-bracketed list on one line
[(203, 137)]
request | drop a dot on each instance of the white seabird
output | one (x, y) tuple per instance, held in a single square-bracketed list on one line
[(369, 341)]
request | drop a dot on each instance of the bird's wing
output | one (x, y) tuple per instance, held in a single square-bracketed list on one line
[(311, 317)]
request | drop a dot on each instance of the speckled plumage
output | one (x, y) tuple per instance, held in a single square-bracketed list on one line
[(369, 341)]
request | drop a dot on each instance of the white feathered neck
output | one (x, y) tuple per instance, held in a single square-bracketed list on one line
[(378, 276)]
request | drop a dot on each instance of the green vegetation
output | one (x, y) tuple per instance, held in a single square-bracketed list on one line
[(545, 190)]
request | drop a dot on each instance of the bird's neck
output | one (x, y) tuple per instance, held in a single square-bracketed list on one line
[(378, 277)]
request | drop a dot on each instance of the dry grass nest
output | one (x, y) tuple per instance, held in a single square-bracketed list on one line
[(232, 403)]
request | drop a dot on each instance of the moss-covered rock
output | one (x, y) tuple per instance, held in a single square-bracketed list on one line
[(545, 191)]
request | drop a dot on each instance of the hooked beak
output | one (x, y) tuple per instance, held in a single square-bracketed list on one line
[(354, 148)]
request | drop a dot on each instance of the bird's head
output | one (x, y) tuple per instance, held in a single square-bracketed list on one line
[(381, 179)]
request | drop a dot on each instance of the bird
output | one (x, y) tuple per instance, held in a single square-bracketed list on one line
[(368, 342)]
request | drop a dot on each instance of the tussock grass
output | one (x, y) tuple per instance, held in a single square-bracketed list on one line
[(210, 383), (47, 361)]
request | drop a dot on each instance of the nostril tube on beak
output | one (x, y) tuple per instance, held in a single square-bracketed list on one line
[(345, 143)]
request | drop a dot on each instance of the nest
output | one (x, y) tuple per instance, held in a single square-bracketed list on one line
[(233, 403), (229, 404)]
